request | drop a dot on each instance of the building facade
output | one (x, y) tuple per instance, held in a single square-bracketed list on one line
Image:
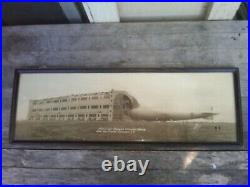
[(100, 106)]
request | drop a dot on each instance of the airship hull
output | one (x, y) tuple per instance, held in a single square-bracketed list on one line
[(148, 115)]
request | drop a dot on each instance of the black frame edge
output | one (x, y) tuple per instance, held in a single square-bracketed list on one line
[(188, 145)]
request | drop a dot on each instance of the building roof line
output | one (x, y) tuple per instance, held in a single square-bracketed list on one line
[(76, 95)]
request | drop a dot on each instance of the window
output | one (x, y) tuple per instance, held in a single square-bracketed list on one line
[(55, 109), (48, 101), (74, 99), (106, 106), (94, 97), (84, 98), (47, 109), (71, 115), (94, 106), (92, 115), (61, 116), (81, 115), (40, 110), (45, 117), (64, 108), (56, 101), (53, 116), (106, 96), (34, 110), (104, 117), (73, 108), (83, 107), (64, 100)]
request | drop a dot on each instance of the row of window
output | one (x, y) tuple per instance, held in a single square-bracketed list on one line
[(71, 116), (72, 108), (72, 99)]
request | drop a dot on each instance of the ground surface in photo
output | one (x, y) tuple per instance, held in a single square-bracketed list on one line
[(126, 131)]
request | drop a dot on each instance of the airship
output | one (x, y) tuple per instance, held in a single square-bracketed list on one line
[(133, 110)]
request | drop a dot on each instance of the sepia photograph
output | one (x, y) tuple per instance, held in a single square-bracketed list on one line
[(171, 107)]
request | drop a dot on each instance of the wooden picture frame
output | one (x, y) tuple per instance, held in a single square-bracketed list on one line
[(159, 119)]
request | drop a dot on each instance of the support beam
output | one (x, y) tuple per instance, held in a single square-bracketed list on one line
[(223, 10), (101, 12)]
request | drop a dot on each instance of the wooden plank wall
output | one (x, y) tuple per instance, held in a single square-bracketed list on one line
[(173, 44)]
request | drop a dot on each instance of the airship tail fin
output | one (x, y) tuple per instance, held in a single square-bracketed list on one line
[(209, 116)]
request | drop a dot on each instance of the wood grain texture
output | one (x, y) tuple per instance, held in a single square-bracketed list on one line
[(92, 159), (173, 44), (97, 176)]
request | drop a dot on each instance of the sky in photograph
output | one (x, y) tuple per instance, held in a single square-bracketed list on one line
[(166, 92)]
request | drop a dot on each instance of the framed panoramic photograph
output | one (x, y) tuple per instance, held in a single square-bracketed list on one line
[(198, 105)]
